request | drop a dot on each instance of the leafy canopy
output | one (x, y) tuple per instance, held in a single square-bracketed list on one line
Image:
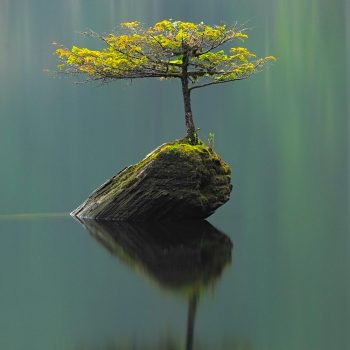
[(169, 49)]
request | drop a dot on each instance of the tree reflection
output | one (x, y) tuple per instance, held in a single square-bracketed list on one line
[(184, 258)]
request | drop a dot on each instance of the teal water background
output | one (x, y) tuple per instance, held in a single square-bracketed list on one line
[(284, 132)]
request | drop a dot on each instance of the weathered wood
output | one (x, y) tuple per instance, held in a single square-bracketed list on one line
[(177, 181)]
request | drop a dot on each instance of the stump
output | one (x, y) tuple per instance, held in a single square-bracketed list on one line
[(177, 181)]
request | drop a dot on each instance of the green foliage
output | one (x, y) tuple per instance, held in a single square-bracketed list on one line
[(168, 49), (211, 140)]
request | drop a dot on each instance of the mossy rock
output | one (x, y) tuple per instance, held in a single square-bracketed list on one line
[(177, 181)]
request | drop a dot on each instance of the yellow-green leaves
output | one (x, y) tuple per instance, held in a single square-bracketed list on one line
[(241, 36), (95, 62), (131, 25), (162, 26), (168, 49), (214, 57)]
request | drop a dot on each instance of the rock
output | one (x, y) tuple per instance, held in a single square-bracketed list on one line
[(177, 181)]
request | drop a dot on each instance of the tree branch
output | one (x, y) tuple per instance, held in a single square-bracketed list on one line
[(215, 83)]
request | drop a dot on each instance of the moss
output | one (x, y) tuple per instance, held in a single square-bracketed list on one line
[(176, 180), (186, 150), (179, 147)]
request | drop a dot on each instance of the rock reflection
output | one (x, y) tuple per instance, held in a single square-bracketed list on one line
[(184, 258)]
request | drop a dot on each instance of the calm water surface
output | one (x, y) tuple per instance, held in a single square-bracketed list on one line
[(64, 286), (270, 271)]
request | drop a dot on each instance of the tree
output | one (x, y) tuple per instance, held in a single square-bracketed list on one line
[(196, 54)]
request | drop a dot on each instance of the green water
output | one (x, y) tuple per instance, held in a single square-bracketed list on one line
[(284, 132)]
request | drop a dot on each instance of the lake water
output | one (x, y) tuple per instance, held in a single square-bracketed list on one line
[(276, 273)]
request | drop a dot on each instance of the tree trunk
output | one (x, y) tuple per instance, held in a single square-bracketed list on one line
[(191, 130)]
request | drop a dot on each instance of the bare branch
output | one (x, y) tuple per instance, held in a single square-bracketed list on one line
[(215, 83)]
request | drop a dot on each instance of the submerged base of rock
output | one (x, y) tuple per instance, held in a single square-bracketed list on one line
[(177, 181)]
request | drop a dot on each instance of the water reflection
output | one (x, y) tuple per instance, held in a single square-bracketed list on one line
[(183, 258)]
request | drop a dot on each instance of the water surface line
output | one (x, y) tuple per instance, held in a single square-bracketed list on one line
[(32, 216)]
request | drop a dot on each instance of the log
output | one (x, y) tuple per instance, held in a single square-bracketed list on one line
[(177, 181)]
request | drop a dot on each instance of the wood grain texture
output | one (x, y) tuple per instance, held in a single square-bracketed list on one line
[(174, 182)]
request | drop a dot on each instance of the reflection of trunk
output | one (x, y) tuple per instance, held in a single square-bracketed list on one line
[(191, 317), (191, 130)]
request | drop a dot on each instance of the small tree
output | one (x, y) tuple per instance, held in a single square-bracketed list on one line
[(186, 51)]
